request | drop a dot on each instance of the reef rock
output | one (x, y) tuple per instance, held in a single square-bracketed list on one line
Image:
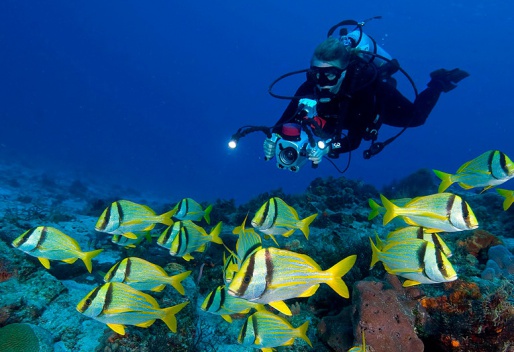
[(384, 312)]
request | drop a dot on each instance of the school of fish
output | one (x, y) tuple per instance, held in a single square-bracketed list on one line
[(256, 276)]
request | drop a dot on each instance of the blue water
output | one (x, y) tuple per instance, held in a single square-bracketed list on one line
[(147, 94)]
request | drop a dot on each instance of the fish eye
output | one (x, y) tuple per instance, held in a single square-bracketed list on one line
[(246, 279), (88, 302)]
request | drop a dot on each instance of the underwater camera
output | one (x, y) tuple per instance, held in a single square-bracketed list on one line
[(292, 147)]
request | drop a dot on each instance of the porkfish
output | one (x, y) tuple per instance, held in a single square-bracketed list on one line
[(487, 170), (220, 303), (124, 217), (275, 217), (416, 260), (411, 232), (272, 275), (189, 209), (192, 238), (47, 243), (508, 195), (441, 212), (266, 330), (377, 209), (117, 304), (144, 275)]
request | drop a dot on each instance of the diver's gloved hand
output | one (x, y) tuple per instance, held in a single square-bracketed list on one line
[(269, 147), (317, 154), (445, 80)]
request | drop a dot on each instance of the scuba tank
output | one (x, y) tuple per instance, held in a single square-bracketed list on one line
[(364, 43)]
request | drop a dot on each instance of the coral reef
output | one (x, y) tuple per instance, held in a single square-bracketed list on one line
[(499, 264), (385, 313)]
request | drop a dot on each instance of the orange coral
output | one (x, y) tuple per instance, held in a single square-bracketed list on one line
[(458, 299), (480, 239)]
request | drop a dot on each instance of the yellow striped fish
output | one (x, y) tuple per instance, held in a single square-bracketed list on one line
[(143, 275), (272, 275), (192, 238), (411, 232), (437, 212), (416, 260), (275, 217), (377, 209), (266, 330), (508, 195), (47, 243), (124, 217), (189, 209), (117, 304), (220, 303), (487, 170)]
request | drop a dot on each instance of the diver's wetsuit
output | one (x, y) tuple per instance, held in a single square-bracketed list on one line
[(363, 96)]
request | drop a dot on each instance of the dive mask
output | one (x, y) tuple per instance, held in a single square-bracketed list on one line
[(324, 76)]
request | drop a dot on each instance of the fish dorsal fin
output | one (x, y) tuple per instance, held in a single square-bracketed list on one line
[(45, 262), (281, 307), (118, 328)]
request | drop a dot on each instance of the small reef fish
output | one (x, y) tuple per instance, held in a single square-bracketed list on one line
[(117, 304), (124, 217), (47, 243), (416, 260), (188, 209), (359, 348), (143, 275), (220, 303), (266, 330), (437, 213), (131, 242), (275, 217), (487, 170), (509, 197), (411, 232), (248, 242), (377, 209), (272, 275), (192, 238), (230, 267)]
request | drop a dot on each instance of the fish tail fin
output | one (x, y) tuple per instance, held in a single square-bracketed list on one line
[(166, 217), (391, 209), (215, 234), (375, 209), (509, 197), (169, 315), (176, 281), (374, 254), (304, 224), (446, 180), (88, 256), (302, 333), (380, 243), (207, 214), (337, 272)]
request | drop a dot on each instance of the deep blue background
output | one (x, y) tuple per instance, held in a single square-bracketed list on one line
[(147, 94)]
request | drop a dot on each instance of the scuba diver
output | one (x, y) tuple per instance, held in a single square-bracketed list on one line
[(349, 87), (353, 91)]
